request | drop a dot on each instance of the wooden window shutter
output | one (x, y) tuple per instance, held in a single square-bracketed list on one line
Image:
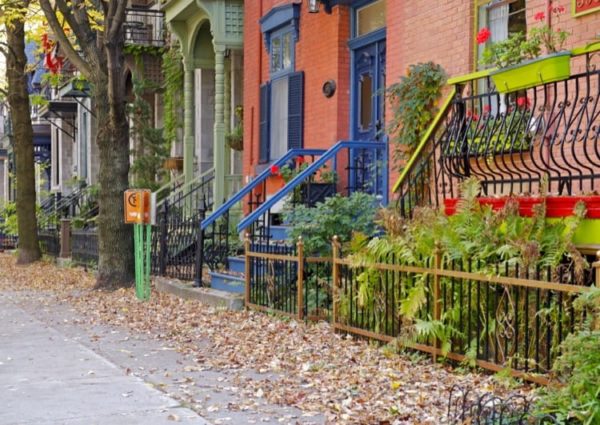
[(265, 112), (296, 110)]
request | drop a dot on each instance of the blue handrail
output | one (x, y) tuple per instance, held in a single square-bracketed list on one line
[(255, 182), (307, 172)]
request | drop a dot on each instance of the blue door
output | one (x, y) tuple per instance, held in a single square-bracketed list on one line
[(368, 102)]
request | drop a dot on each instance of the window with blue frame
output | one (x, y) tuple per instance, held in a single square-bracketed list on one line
[(282, 97)]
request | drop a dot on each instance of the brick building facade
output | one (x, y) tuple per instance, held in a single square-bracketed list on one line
[(417, 31)]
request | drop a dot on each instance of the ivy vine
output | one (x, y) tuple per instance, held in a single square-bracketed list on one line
[(173, 89), (414, 105)]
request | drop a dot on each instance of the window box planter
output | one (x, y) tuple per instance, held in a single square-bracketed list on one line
[(556, 207), (173, 163), (542, 70)]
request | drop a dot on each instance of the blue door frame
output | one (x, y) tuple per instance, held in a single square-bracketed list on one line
[(367, 78)]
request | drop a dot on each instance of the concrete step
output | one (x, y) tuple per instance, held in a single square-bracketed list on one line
[(227, 281), (237, 264), (279, 233)]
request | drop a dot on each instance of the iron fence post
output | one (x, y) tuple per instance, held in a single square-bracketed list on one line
[(247, 269), (200, 246), (437, 302), (335, 279), (162, 266), (300, 296)]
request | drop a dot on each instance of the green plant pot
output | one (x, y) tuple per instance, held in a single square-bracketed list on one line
[(546, 69)]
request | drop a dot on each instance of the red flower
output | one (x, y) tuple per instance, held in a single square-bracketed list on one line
[(523, 102), (487, 109), (299, 159), (275, 169), (472, 115), (483, 35), (540, 16)]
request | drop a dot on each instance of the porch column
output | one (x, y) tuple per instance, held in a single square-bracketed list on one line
[(227, 121), (219, 139), (188, 120)]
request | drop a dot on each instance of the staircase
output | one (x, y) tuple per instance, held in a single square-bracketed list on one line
[(262, 224)]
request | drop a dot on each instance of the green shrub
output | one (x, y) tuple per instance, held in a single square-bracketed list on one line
[(8, 219), (577, 398), (338, 215)]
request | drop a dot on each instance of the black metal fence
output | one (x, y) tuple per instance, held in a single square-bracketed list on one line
[(281, 279), (8, 241), (50, 241), (84, 247), (466, 406), (496, 316), (175, 238), (511, 142)]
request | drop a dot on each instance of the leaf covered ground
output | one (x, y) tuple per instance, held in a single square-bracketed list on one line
[(306, 366)]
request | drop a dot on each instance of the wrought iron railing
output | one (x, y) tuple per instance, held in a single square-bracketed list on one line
[(171, 187), (84, 247), (175, 236), (281, 279), (366, 171), (8, 241), (49, 241), (512, 142), (217, 228), (497, 316), (145, 27), (467, 406)]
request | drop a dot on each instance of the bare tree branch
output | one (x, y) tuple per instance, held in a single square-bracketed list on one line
[(116, 19)]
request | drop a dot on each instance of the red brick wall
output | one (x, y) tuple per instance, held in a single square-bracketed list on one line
[(322, 53), (417, 31)]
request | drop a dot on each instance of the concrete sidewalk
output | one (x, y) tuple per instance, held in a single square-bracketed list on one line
[(47, 378)]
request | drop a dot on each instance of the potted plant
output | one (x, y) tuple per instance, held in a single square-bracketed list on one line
[(316, 189), (235, 138), (173, 163), (518, 58)]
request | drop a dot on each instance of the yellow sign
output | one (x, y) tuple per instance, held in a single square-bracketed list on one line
[(137, 206)]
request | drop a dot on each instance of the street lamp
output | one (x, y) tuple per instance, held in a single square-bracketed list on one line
[(313, 6)]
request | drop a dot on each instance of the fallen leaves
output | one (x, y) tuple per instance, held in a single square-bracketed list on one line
[(264, 358)]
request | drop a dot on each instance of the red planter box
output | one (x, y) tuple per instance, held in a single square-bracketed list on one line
[(556, 206)]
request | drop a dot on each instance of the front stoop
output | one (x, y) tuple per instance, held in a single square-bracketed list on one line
[(208, 296)]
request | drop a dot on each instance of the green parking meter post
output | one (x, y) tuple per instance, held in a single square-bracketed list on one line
[(142, 245), (138, 204), (148, 248)]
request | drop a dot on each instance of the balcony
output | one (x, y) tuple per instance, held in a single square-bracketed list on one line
[(542, 139), (145, 27)]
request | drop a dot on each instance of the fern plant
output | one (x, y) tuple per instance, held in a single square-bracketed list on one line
[(475, 238)]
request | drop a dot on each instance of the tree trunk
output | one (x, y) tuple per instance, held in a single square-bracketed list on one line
[(116, 267), (18, 99), (99, 57)]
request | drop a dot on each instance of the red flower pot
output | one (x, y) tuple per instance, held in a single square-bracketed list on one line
[(556, 206)]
